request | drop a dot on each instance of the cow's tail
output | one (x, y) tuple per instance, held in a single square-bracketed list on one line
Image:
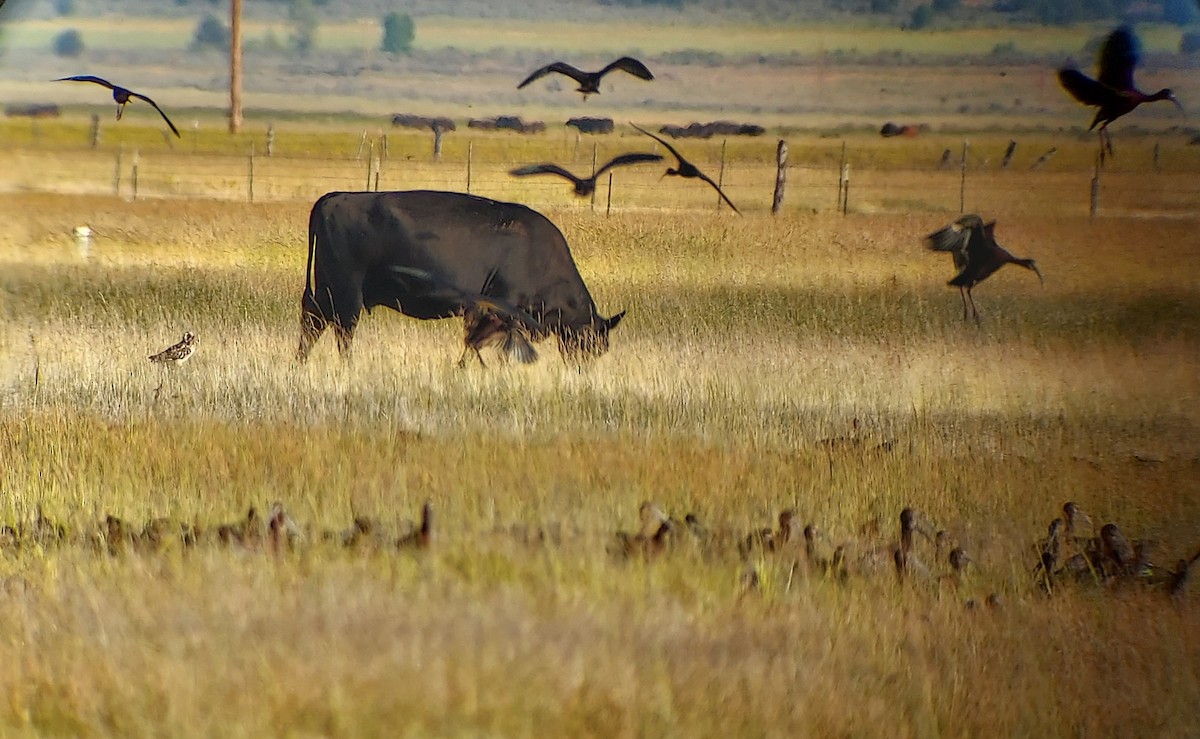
[(312, 247)]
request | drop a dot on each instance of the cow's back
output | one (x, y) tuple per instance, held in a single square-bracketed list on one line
[(506, 250)]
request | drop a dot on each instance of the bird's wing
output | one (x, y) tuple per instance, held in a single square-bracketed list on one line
[(1083, 88), (709, 180), (87, 78), (543, 169), (630, 65), (560, 67), (1118, 57), (955, 237), (628, 159), (139, 96), (436, 288), (659, 140)]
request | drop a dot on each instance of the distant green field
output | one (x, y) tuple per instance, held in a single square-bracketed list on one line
[(436, 32)]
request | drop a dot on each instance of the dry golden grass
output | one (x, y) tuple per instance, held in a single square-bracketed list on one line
[(747, 342)]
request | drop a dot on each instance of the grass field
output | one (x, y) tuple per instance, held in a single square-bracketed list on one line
[(747, 341)]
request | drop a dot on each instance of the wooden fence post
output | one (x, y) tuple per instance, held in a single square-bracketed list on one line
[(134, 174), (841, 176), (250, 189), (1155, 156), (1008, 153), (384, 152), (594, 146), (437, 142), (781, 153), (117, 172), (195, 133), (95, 130), (721, 174), (845, 188), (362, 141), (1095, 201), (962, 181), (270, 139), (608, 207), (470, 147), (370, 165), (378, 166)]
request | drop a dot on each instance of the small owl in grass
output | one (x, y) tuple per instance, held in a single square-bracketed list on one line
[(179, 353)]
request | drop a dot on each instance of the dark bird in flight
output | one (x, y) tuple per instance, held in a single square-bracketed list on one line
[(587, 186), (976, 254), (589, 82), (1113, 91), (686, 168), (122, 96)]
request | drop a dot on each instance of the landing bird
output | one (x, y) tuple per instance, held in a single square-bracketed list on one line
[(976, 254), (584, 187), (179, 353), (589, 82), (687, 169), (122, 96), (1113, 92), (486, 320)]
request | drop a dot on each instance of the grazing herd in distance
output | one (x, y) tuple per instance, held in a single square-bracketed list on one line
[(462, 265)]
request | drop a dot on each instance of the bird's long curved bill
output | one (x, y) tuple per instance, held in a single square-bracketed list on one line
[(1038, 272)]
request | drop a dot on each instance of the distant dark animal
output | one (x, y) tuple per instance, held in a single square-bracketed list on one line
[(421, 252), (584, 187), (946, 162), (1044, 158), (586, 124), (696, 130), (436, 123), (890, 130), (33, 110), (687, 169), (1113, 92), (506, 123), (589, 82), (121, 95), (976, 254), (178, 353)]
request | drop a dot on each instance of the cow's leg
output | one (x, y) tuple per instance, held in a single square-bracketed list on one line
[(312, 323)]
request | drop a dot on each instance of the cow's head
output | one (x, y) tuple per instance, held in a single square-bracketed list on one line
[(590, 339)]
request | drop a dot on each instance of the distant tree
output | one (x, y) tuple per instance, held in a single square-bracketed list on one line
[(945, 6), (1189, 43), (64, 7), (922, 16), (68, 43), (303, 15), (884, 6), (1180, 12), (211, 33), (398, 33)]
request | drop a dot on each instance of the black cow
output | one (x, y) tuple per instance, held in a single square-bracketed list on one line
[(503, 267)]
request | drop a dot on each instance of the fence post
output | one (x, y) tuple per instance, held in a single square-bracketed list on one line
[(370, 165), (251, 179), (270, 139), (378, 164), (362, 141), (962, 181), (134, 174), (594, 146), (117, 172), (846, 188), (1095, 201), (383, 147), (96, 130), (195, 133), (841, 176), (437, 142), (1008, 153), (721, 174), (608, 207), (1155, 156), (781, 153), (470, 147)]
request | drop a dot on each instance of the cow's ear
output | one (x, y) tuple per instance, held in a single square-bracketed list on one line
[(611, 323)]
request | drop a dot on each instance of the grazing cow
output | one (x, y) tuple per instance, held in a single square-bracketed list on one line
[(505, 268)]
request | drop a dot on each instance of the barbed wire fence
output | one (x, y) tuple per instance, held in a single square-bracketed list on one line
[(768, 182)]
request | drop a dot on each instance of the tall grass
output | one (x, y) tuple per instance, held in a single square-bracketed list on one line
[(746, 343)]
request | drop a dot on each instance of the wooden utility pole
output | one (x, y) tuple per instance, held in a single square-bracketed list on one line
[(235, 66)]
